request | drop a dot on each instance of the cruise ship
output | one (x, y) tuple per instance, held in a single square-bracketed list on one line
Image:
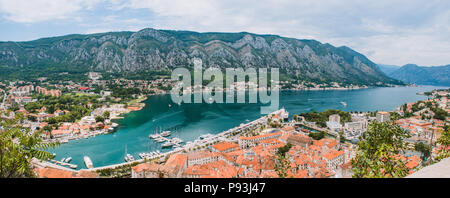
[(88, 162)]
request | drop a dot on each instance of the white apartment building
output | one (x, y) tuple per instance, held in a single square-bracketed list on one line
[(383, 116)]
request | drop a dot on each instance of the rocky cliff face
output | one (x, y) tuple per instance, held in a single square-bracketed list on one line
[(151, 49)]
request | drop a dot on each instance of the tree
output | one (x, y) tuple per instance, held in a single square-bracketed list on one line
[(439, 113), (295, 117), (14, 107), (47, 128), (18, 148), (317, 135), (106, 114), (424, 149), (99, 119), (378, 151), (282, 163), (321, 118), (444, 141), (341, 137), (284, 149), (394, 116), (32, 118)]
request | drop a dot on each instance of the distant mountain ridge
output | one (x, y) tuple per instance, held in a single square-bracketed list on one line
[(151, 49), (387, 69), (411, 73)]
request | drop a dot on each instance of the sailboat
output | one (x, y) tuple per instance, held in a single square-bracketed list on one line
[(155, 136), (128, 157)]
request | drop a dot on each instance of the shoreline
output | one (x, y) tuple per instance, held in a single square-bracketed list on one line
[(186, 147), (143, 104), (132, 106)]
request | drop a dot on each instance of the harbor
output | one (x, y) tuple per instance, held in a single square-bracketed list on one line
[(201, 141), (197, 124)]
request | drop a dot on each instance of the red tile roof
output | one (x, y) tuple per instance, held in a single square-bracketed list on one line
[(223, 146)]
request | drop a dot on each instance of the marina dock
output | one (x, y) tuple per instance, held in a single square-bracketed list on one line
[(198, 143)]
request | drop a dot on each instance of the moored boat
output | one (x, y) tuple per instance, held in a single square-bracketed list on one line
[(73, 166), (154, 136), (165, 133), (129, 157), (88, 162), (167, 144)]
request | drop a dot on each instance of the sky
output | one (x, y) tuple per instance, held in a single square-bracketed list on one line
[(395, 32)]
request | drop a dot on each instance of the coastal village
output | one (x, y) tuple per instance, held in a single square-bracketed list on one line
[(100, 107), (252, 150)]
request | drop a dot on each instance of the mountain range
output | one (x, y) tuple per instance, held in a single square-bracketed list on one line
[(422, 75), (151, 49)]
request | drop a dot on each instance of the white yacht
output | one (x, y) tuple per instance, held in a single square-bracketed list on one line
[(129, 157), (68, 159), (165, 133), (154, 136), (88, 162), (205, 136), (73, 166), (167, 144), (177, 140)]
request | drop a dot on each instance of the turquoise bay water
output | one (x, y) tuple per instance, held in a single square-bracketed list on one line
[(193, 120)]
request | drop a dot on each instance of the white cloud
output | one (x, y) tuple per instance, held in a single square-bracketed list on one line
[(26, 11), (392, 32), (112, 23)]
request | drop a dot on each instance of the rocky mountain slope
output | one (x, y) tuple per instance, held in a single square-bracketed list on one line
[(151, 49)]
